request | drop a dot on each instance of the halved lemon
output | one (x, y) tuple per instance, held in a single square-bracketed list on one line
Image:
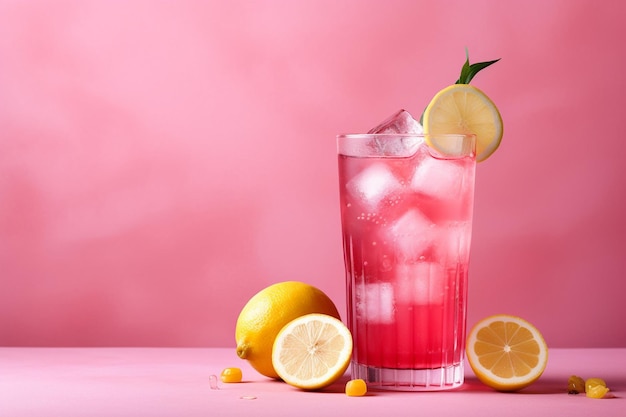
[(464, 109), (506, 352), (312, 351), (268, 311)]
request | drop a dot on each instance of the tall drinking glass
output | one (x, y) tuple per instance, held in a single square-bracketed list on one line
[(406, 212)]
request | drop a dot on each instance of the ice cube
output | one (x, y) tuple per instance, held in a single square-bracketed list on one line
[(420, 283), (438, 178), (399, 122), (403, 125), (396, 146), (412, 235), (372, 184), (375, 302)]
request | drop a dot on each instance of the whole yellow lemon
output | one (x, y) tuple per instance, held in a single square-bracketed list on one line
[(267, 312)]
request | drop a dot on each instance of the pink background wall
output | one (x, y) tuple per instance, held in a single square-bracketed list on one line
[(160, 162)]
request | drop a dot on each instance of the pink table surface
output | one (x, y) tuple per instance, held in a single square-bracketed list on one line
[(175, 382)]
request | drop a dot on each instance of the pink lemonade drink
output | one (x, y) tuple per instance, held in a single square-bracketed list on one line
[(406, 214)]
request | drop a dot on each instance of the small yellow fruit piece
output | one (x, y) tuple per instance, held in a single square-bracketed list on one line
[(506, 352), (596, 388), (312, 351), (597, 391), (464, 109), (575, 385), (356, 388), (230, 375), (592, 382), (267, 312)]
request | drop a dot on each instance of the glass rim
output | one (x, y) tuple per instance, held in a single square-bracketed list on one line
[(395, 135), (400, 145)]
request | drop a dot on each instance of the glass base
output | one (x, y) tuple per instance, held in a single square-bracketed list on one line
[(436, 379)]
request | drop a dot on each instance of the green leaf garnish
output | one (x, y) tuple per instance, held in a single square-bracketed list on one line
[(469, 71)]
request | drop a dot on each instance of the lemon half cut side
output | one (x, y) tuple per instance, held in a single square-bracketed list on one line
[(312, 351), (506, 352)]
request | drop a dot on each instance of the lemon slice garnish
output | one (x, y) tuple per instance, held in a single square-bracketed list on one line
[(464, 109)]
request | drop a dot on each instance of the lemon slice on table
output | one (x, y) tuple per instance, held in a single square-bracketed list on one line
[(312, 351), (506, 352), (464, 109)]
